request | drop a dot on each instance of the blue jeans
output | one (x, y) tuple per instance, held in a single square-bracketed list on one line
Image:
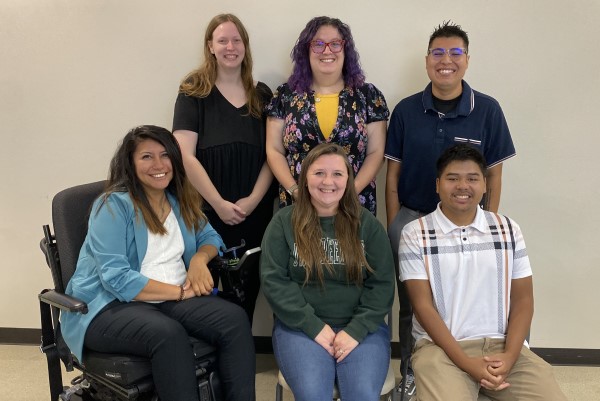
[(311, 372)]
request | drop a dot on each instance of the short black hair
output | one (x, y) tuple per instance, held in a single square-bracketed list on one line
[(461, 152), (448, 29)]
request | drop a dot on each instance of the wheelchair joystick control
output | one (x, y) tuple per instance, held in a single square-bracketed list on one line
[(234, 249)]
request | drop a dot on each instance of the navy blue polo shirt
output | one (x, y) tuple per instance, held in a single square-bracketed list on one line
[(418, 134)]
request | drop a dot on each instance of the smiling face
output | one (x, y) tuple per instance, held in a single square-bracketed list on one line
[(447, 73), (327, 63), (326, 179), (152, 166), (227, 46), (461, 187)]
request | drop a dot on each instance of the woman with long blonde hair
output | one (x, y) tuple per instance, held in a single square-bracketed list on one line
[(220, 125)]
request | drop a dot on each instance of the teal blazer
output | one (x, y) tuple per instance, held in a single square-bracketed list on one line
[(109, 262)]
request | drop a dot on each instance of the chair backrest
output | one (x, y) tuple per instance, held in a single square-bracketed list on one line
[(70, 212)]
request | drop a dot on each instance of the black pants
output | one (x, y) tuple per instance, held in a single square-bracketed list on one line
[(404, 216), (160, 332)]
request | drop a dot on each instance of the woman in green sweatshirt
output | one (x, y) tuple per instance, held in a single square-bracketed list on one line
[(327, 272)]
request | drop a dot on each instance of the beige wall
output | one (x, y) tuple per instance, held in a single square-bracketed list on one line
[(76, 75)]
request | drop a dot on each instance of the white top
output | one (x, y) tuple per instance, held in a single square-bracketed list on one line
[(469, 269), (163, 260)]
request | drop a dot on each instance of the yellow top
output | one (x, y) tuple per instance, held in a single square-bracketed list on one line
[(327, 112)]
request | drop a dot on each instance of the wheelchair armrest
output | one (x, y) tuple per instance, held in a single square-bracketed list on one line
[(248, 257), (63, 301), (219, 263)]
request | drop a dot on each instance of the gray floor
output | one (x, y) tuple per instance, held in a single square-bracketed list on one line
[(24, 377)]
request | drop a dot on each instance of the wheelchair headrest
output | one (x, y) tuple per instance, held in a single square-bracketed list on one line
[(70, 212)]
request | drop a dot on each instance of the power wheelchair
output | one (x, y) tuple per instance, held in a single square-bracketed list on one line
[(112, 377)]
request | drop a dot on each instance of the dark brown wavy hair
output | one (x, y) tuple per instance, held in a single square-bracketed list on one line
[(123, 178)]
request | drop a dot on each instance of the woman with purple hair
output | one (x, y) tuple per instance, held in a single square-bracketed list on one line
[(326, 99)]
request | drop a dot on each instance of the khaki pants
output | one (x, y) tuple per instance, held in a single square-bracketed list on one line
[(438, 379)]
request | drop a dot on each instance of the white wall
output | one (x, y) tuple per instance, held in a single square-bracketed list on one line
[(76, 75)]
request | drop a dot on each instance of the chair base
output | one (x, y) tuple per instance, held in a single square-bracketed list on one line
[(126, 377), (99, 389)]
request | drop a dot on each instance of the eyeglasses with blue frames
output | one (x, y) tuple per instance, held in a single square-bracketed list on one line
[(335, 46), (454, 53)]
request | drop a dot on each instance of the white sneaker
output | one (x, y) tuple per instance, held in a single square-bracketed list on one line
[(409, 390)]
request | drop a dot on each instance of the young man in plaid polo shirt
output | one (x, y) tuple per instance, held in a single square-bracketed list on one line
[(469, 281)]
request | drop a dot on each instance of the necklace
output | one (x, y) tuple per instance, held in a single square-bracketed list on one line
[(325, 96), (327, 90), (162, 207)]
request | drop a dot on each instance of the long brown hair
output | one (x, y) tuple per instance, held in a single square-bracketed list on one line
[(123, 178), (307, 228), (200, 82)]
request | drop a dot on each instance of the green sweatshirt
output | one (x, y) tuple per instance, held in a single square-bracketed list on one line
[(361, 309)]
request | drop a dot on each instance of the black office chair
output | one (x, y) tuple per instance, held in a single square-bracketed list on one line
[(104, 376)]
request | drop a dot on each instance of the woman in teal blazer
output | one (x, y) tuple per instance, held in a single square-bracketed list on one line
[(143, 272)]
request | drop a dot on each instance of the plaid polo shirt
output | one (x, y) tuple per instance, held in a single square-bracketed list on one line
[(469, 270)]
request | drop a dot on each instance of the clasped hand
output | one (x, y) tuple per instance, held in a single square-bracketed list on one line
[(491, 371), (231, 213), (337, 345)]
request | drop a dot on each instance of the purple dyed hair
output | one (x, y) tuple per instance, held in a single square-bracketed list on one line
[(301, 77)]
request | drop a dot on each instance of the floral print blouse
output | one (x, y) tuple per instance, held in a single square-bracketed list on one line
[(301, 132)]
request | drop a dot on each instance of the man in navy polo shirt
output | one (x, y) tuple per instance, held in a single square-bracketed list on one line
[(422, 126)]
